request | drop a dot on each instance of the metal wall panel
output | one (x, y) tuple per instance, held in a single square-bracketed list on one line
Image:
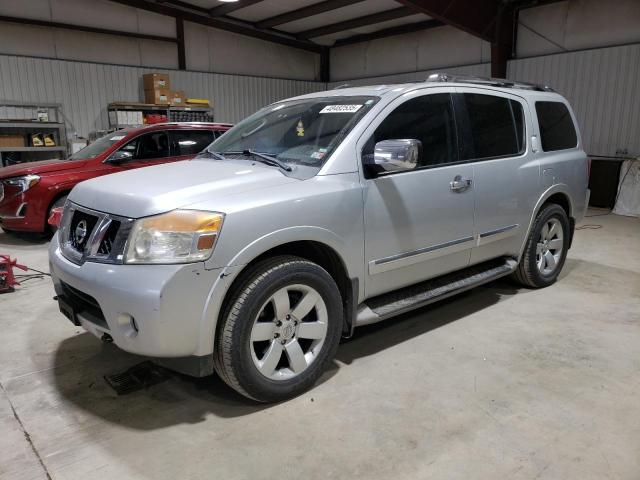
[(601, 85), (85, 89), (479, 70)]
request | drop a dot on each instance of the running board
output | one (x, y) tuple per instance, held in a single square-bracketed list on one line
[(416, 296)]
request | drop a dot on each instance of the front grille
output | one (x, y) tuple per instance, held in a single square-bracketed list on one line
[(108, 240), (90, 235), (80, 229), (84, 303)]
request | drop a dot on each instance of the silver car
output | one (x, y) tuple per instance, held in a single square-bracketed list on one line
[(319, 214)]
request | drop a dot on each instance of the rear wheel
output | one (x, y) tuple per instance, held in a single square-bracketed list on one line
[(280, 329), (546, 249)]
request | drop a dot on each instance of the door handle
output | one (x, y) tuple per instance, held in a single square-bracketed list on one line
[(460, 184)]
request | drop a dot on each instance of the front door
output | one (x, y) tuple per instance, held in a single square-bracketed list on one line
[(147, 149), (418, 224)]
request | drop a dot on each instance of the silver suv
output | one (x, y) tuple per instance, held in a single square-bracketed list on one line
[(319, 214)]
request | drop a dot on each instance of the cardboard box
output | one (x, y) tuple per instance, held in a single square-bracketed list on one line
[(157, 96), (177, 98), (156, 81), (12, 141)]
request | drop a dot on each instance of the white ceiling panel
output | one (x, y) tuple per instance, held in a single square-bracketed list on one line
[(330, 39), (269, 8), (356, 10), (205, 3)]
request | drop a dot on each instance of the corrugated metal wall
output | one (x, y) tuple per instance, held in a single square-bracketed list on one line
[(602, 85), (480, 70), (85, 89)]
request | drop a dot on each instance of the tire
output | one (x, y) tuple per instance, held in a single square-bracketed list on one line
[(542, 260), (58, 203), (262, 349)]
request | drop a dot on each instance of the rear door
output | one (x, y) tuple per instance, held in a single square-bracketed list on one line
[(506, 173), (187, 144)]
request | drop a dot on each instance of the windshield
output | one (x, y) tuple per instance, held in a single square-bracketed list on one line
[(99, 146), (301, 132)]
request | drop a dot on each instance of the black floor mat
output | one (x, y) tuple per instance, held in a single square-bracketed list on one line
[(142, 375)]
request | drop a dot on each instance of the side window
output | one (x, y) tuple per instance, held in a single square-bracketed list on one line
[(557, 131), (148, 146), (429, 119), (190, 142), (496, 126)]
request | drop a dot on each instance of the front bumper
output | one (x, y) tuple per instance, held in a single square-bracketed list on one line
[(15, 214), (171, 304)]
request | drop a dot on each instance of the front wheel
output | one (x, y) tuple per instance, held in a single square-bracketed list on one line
[(546, 248), (280, 329)]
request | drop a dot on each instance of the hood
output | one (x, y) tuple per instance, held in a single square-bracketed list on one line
[(158, 189), (44, 166)]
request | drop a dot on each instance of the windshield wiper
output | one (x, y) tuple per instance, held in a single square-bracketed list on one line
[(209, 153), (268, 159), (260, 157)]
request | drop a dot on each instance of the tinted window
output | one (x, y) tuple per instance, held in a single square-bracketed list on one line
[(429, 119), (148, 146), (556, 126), (496, 126), (191, 142)]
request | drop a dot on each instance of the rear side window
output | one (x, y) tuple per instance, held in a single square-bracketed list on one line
[(557, 131), (429, 119), (191, 142), (496, 126)]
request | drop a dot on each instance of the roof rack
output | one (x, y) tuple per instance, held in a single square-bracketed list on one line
[(494, 82)]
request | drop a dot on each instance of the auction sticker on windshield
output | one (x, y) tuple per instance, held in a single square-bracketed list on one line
[(340, 109)]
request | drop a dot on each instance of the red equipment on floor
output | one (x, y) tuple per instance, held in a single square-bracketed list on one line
[(7, 278)]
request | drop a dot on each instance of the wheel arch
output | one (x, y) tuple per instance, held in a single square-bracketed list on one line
[(318, 252), (57, 196), (559, 195)]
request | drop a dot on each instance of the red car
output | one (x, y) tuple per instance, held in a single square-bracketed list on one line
[(29, 191)]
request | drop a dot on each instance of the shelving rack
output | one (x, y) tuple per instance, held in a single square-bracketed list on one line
[(172, 113), (20, 118)]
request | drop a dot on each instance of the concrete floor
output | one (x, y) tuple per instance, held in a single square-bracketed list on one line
[(500, 382)]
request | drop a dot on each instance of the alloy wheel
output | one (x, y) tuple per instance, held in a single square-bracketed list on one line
[(289, 331), (549, 247)]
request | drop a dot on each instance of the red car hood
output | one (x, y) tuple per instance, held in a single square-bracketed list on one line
[(44, 166)]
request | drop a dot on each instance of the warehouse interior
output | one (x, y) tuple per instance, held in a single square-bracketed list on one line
[(501, 380)]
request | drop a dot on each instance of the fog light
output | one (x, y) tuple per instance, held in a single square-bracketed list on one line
[(128, 325)]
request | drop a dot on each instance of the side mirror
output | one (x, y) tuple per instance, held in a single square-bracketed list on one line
[(396, 155), (120, 156)]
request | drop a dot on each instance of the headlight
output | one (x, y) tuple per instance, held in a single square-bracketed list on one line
[(23, 183), (180, 236)]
